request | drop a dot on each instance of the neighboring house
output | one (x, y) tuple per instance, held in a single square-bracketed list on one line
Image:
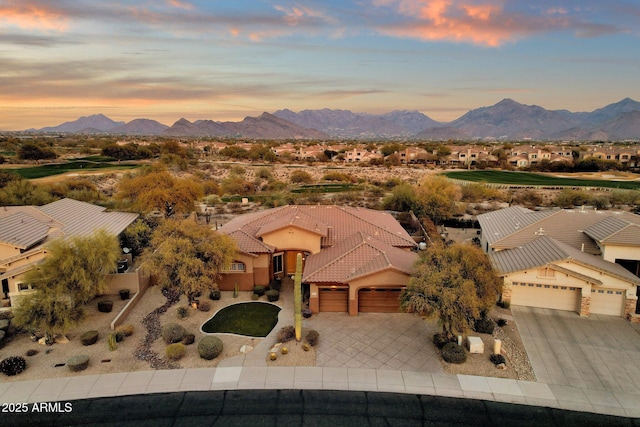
[(355, 259), (25, 232), (586, 261)]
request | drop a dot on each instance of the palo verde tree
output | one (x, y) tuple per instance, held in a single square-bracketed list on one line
[(437, 198), (455, 284), (187, 256), (154, 187), (73, 273)]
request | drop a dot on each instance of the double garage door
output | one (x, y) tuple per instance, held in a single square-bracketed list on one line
[(370, 300), (603, 301), (546, 296)]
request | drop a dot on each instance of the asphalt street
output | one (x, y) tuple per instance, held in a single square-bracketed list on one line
[(301, 408)]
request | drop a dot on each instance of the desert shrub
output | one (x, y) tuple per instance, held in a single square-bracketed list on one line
[(485, 325), (188, 339), (255, 297), (210, 347), (273, 295), (497, 359), (286, 333), (215, 294), (78, 363), (13, 365), (172, 332), (182, 312), (31, 352), (204, 306), (120, 336), (504, 304), (127, 330), (502, 322), (442, 338), (258, 290), (312, 337), (175, 351), (89, 338), (454, 353), (306, 313)]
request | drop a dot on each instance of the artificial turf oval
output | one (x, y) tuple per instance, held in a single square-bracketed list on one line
[(252, 319)]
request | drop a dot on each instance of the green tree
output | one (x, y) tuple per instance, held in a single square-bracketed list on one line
[(136, 237), (402, 199), (73, 273), (300, 177), (437, 197), (187, 256), (21, 192), (31, 151), (455, 284)]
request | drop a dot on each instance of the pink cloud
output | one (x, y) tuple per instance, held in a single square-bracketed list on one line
[(32, 15), (180, 4), (481, 22)]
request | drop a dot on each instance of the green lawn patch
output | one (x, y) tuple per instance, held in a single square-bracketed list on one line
[(528, 178), (73, 166), (252, 319), (325, 188)]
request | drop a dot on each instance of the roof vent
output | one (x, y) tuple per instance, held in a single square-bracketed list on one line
[(540, 232)]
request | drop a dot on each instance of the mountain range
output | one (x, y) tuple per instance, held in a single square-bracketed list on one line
[(507, 119)]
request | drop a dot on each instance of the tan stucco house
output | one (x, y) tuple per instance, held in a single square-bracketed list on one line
[(355, 259), (25, 232), (580, 260)]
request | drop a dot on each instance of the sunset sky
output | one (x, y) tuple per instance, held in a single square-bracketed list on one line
[(224, 60)]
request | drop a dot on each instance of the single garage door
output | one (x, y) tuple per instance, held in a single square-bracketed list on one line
[(334, 299), (379, 300), (607, 301), (546, 296)]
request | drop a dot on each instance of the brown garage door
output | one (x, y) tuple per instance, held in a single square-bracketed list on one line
[(379, 300), (334, 299)]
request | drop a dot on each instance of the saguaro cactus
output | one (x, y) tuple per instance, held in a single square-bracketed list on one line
[(297, 298)]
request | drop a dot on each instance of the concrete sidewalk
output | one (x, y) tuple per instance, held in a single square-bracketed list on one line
[(322, 378)]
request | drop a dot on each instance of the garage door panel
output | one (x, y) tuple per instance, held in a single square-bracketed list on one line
[(556, 297), (379, 300), (607, 301), (334, 300)]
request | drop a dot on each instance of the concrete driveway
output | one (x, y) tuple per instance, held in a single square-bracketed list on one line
[(599, 352)]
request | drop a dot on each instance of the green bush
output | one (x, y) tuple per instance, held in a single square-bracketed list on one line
[(273, 295), (215, 294), (454, 353), (441, 339), (484, 325), (312, 337), (497, 359), (255, 297), (504, 304), (258, 290), (175, 351), (172, 333), (287, 333), (78, 363), (89, 338), (13, 365), (210, 347)]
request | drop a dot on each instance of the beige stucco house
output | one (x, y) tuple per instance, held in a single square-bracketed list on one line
[(25, 232), (355, 259), (586, 261)]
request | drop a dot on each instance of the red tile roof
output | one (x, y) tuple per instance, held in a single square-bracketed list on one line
[(356, 256)]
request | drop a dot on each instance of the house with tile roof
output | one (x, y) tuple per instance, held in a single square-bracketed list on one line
[(25, 232), (354, 259), (581, 260)]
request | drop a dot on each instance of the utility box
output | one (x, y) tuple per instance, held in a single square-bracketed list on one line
[(475, 345)]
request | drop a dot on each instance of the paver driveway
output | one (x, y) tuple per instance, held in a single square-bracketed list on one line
[(599, 352), (374, 340)]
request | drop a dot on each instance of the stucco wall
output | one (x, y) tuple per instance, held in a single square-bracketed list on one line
[(293, 238), (613, 252)]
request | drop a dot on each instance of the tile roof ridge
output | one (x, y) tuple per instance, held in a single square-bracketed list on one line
[(624, 228), (350, 211), (344, 254)]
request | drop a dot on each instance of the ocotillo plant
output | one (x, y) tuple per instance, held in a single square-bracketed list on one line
[(297, 298)]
